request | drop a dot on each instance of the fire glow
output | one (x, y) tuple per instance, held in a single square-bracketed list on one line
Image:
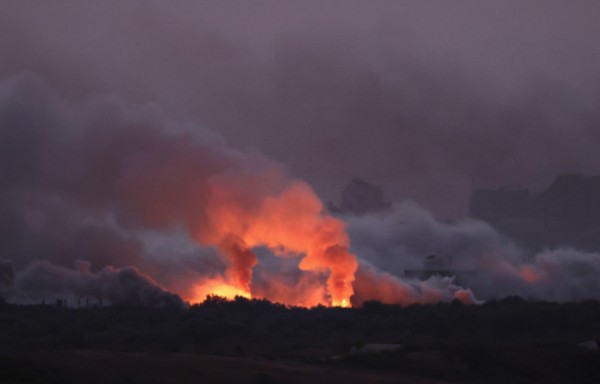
[(291, 224)]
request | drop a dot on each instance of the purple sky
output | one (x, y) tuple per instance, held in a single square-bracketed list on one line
[(424, 98)]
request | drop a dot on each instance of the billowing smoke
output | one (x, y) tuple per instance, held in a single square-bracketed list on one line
[(490, 265), (426, 101), (418, 98), (558, 275), (392, 290), (401, 239), (93, 180), (42, 280), (109, 201), (289, 223)]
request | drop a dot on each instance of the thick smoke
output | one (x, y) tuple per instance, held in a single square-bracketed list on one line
[(558, 275), (392, 290), (290, 224), (154, 206), (481, 259), (402, 238), (42, 280), (414, 96), (164, 212), (85, 180), (101, 179), (287, 283)]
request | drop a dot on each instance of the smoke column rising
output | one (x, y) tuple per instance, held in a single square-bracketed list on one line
[(126, 169), (419, 97), (103, 181), (491, 265)]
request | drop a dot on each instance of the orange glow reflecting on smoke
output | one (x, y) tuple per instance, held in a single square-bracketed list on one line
[(219, 288), (291, 224), (530, 273)]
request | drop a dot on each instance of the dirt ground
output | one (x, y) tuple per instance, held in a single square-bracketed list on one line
[(131, 368)]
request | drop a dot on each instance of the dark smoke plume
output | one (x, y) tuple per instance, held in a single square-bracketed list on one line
[(483, 260), (99, 179), (90, 179), (42, 280), (427, 100), (120, 185)]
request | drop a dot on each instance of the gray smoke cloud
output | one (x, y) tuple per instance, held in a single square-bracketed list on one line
[(481, 259), (120, 185), (43, 281), (401, 239), (416, 97), (370, 284), (426, 100), (100, 180)]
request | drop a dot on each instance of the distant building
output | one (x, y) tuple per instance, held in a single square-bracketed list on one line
[(360, 197), (566, 214), (435, 265), (504, 203)]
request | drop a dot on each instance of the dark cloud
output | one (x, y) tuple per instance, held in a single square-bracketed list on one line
[(77, 178), (404, 237), (427, 100), (423, 99), (371, 285), (92, 179), (120, 185), (7, 279), (484, 261), (7, 274), (42, 280)]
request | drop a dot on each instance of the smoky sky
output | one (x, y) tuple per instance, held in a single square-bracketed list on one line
[(484, 261), (427, 99)]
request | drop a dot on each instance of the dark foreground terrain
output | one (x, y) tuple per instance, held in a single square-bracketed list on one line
[(243, 341)]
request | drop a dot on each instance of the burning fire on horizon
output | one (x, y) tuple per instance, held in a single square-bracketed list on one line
[(83, 182), (291, 224), (126, 165)]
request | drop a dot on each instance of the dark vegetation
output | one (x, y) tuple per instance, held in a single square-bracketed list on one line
[(509, 340)]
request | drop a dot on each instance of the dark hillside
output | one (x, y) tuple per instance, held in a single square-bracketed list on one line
[(510, 339)]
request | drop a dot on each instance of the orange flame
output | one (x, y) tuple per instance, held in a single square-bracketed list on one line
[(290, 223), (216, 287)]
